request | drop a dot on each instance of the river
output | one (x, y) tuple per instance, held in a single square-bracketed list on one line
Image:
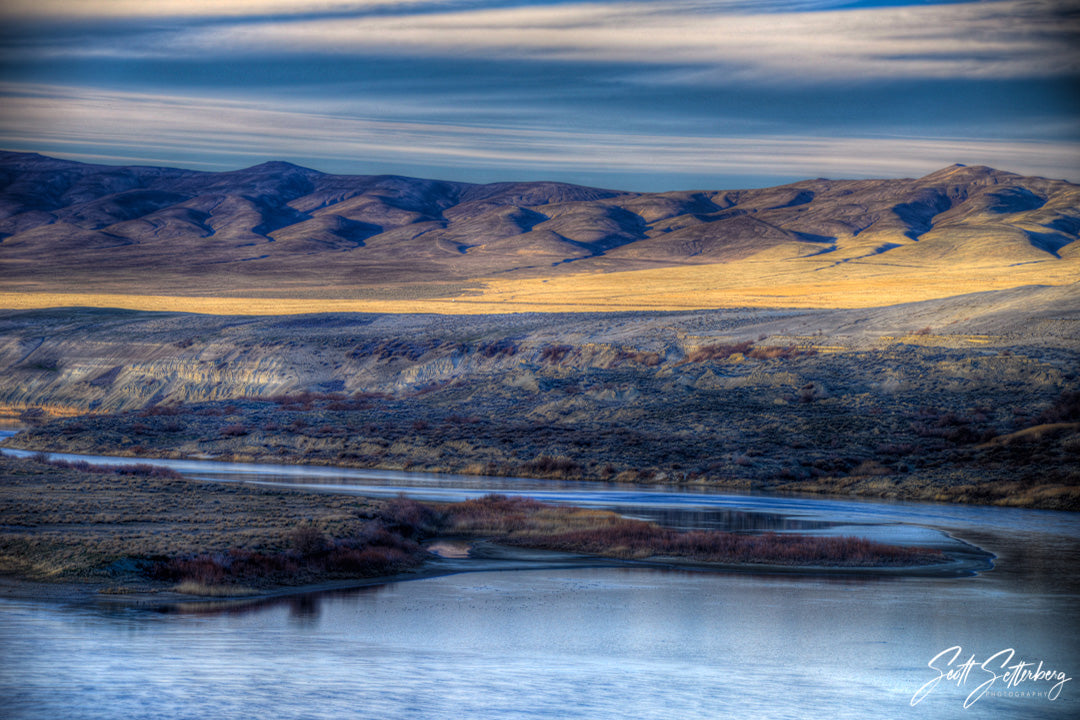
[(590, 642)]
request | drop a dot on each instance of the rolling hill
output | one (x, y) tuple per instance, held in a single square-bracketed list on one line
[(279, 231)]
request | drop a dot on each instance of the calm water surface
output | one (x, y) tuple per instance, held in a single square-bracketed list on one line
[(584, 643)]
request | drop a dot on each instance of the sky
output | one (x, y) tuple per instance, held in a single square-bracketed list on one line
[(645, 95)]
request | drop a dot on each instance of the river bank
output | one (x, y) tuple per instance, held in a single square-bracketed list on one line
[(738, 438), (73, 535)]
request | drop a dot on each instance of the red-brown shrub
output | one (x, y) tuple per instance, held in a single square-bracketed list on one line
[(555, 353), (234, 430)]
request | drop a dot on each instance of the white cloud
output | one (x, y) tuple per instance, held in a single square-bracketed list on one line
[(130, 125), (997, 39)]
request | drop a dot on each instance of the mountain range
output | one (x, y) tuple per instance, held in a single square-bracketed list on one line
[(277, 229)]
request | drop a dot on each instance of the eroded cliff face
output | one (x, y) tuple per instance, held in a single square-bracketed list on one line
[(75, 361), (72, 361)]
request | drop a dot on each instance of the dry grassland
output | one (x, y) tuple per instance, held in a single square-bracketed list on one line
[(797, 283), (64, 524), (754, 282)]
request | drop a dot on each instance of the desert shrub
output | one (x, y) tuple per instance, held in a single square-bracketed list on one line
[(142, 469), (375, 552), (945, 425), (895, 449), (491, 513), (234, 430), (160, 411), (306, 401), (559, 465), (430, 387), (717, 352), (409, 518), (785, 352), (793, 473), (368, 561), (1066, 408), (811, 392), (711, 353), (33, 416), (871, 468), (498, 348), (307, 539), (301, 398), (203, 569), (348, 405), (770, 548), (555, 353), (528, 523), (641, 357), (235, 565), (371, 396)]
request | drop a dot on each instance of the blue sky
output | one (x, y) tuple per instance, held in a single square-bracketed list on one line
[(631, 94)]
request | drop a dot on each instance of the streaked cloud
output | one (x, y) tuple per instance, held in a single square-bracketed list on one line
[(1005, 38), (123, 125), (633, 93)]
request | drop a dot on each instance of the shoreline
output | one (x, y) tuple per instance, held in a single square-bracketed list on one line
[(488, 557), (152, 537), (735, 487)]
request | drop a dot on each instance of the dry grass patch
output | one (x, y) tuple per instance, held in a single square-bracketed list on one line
[(63, 523), (528, 523), (194, 588)]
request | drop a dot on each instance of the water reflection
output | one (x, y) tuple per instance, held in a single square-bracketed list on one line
[(1046, 563), (304, 609), (301, 609), (586, 643), (740, 521)]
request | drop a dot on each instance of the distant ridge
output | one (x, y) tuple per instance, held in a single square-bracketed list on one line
[(280, 228)]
